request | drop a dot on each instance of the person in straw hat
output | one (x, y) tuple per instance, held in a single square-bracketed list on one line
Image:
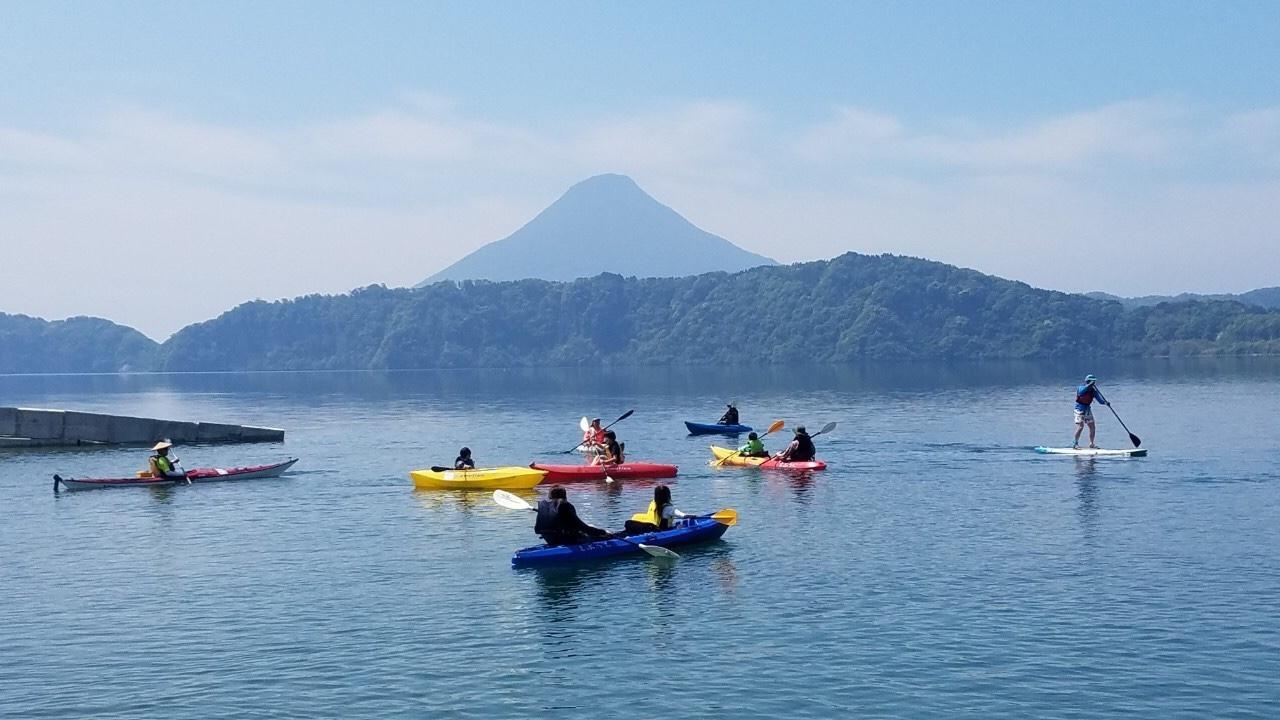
[(161, 464)]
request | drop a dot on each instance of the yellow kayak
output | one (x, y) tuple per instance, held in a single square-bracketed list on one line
[(500, 478), (721, 453)]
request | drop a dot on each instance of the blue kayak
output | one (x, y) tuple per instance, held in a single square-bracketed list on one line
[(715, 428), (693, 530)]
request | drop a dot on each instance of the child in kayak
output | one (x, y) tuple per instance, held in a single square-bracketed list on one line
[(801, 448), (754, 447), (660, 515), (593, 437), (558, 522), (611, 451), (464, 461), (730, 416)]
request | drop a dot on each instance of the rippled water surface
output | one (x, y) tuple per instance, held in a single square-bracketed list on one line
[(939, 568)]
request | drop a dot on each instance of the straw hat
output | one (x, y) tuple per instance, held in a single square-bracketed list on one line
[(162, 445)]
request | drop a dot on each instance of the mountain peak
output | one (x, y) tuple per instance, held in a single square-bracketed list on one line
[(605, 223)]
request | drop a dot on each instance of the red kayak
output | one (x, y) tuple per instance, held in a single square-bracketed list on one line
[(194, 475), (775, 464), (586, 473)]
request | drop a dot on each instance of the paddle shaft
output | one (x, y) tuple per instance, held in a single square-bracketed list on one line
[(1137, 441), (622, 417)]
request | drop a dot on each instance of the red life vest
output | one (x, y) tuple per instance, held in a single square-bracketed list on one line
[(1086, 397)]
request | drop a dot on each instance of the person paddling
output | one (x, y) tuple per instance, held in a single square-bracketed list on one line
[(754, 447), (610, 451), (801, 448), (464, 461), (161, 465), (593, 436), (660, 515), (1085, 395), (558, 523), (730, 416)]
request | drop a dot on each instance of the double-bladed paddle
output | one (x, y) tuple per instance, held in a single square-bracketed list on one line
[(584, 425), (515, 502), (776, 426)]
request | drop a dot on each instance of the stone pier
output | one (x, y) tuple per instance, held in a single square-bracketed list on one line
[(39, 427)]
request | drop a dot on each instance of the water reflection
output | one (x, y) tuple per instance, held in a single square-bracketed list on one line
[(1087, 494), (466, 502)]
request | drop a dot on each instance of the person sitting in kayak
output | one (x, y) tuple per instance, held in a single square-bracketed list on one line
[(464, 461), (660, 515), (730, 416), (593, 437), (1085, 395), (801, 448), (558, 522), (611, 451), (754, 447), (161, 465)]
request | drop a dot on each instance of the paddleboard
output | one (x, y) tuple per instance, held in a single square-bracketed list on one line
[(1093, 452)]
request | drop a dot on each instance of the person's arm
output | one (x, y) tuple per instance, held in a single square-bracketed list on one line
[(569, 519), (1098, 394)]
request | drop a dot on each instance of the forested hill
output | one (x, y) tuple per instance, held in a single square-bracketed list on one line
[(78, 344), (853, 307)]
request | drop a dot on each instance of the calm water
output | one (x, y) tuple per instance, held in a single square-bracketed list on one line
[(938, 569)]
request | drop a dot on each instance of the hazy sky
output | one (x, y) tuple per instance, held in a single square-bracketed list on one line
[(162, 162)]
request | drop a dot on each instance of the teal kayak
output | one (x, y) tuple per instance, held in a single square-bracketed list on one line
[(692, 530)]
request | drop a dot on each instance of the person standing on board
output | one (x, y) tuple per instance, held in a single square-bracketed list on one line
[(1085, 395), (730, 416), (161, 465)]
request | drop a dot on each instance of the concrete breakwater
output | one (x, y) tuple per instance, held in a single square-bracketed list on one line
[(39, 427)]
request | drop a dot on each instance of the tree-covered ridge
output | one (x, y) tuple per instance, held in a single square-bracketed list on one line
[(78, 344), (850, 308)]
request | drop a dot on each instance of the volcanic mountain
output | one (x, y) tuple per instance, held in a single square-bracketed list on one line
[(603, 224)]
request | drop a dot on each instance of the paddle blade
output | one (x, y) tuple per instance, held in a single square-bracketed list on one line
[(775, 427), (659, 552), (624, 416), (584, 423), (727, 517), (826, 428), (510, 501), (1137, 441), (437, 468)]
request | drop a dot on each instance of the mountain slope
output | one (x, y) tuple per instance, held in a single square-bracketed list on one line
[(843, 310), (78, 344), (1268, 298), (602, 224)]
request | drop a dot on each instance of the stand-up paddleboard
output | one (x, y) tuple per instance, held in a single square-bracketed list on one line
[(1093, 452)]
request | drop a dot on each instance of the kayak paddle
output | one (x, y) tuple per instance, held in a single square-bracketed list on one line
[(515, 502), (825, 429), (776, 426), (1137, 441), (584, 425)]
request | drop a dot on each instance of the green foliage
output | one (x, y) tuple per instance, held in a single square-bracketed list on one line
[(74, 345), (851, 308), (841, 311)]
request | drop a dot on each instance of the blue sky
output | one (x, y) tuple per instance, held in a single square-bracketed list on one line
[(275, 149)]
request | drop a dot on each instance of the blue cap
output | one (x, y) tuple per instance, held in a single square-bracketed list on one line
[(1090, 378)]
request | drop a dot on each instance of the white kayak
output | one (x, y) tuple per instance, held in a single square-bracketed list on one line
[(1093, 452)]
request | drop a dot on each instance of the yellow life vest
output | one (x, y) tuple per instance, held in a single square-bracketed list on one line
[(648, 516)]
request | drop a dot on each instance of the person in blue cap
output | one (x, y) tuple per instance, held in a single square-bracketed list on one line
[(1085, 395)]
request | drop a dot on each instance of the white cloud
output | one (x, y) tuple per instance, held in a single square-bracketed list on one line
[(395, 194)]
